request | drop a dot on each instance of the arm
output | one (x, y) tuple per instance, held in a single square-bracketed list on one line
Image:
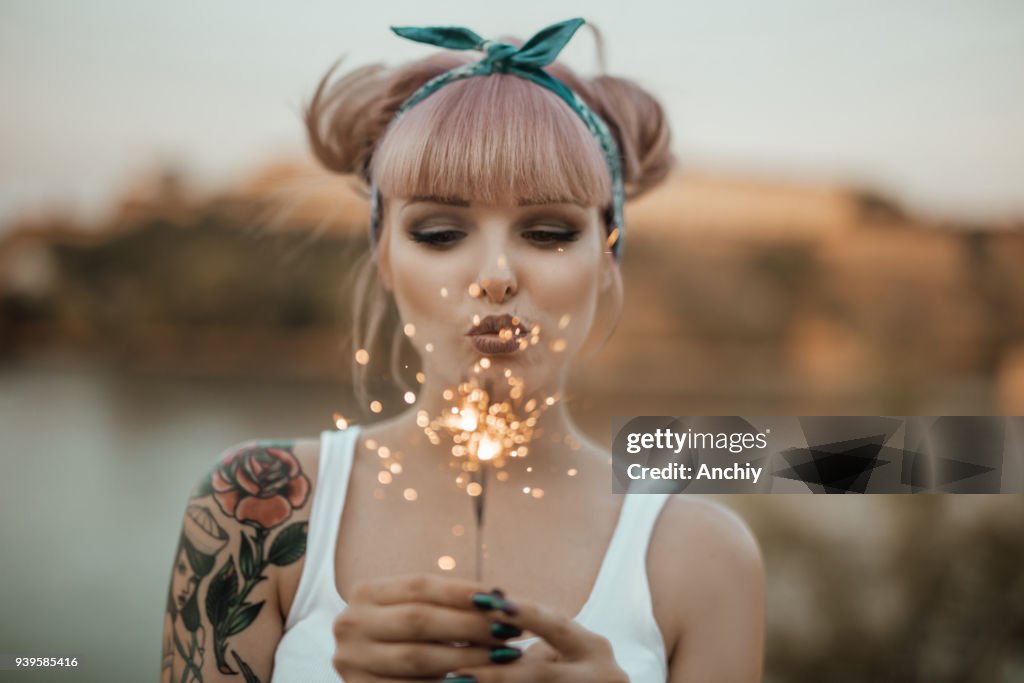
[(245, 520), (720, 607)]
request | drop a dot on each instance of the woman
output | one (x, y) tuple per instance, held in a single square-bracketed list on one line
[(497, 188)]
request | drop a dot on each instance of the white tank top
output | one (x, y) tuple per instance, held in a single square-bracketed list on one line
[(619, 605)]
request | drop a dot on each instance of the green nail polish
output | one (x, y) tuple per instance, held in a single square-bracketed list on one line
[(461, 679), (489, 601), (504, 655), (503, 631), (486, 601)]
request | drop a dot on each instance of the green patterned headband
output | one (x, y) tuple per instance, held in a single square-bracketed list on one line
[(526, 62)]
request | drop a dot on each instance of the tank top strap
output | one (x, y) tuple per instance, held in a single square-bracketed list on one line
[(623, 574), (317, 587)]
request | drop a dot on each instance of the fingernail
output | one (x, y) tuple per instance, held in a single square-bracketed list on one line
[(489, 601), (460, 679), (502, 630), (504, 655), (486, 601)]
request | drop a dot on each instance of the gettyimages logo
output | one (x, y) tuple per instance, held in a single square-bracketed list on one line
[(953, 454)]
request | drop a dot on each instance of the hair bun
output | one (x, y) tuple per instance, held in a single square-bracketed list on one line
[(347, 116), (640, 127)]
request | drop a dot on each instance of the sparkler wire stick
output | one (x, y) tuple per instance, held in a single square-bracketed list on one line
[(480, 477)]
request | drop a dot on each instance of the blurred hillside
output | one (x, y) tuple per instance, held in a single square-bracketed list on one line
[(742, 295)]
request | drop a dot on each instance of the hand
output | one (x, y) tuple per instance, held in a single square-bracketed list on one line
[(419, 627), (567, 653)]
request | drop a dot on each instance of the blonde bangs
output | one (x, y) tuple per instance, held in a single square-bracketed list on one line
[(496, 140)]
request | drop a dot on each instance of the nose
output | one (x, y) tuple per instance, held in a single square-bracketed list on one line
[(497, 282)]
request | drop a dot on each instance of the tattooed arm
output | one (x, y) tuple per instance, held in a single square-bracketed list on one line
[(244, 527)]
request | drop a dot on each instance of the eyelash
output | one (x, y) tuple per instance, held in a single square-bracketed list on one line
[(444, 238), (437, 238)]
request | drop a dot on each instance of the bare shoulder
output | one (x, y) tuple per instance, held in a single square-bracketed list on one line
[(267, 486), (264, 484), (689, 523), (704, 564)]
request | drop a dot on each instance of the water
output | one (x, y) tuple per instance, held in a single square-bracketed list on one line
[(97, 466)]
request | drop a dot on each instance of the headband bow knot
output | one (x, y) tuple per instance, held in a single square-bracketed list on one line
[(527, 61)]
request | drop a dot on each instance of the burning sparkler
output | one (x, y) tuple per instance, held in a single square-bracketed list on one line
[(484, 434)]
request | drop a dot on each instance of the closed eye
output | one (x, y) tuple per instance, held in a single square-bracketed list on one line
[(551, 236), (437, 238)]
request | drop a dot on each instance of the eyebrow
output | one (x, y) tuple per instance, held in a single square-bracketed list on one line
[(434, 199), (460, 201)]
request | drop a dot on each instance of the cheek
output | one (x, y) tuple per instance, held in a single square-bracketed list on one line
[(425, 288), (566, 288)]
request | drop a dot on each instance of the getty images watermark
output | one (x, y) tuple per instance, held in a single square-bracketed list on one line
[(951, 454)]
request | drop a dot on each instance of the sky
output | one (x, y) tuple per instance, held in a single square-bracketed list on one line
[(921, 99)]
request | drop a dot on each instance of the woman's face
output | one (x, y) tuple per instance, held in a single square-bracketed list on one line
[(517, 285), (183, 580)]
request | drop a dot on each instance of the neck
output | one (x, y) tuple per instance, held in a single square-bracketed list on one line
[(557, 444)]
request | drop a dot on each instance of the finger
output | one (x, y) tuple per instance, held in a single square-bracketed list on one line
[(418, 660), (519, 672), (570, 639), (420, 622), (373, 678), (540, 651), (364, 676), (437, 590)]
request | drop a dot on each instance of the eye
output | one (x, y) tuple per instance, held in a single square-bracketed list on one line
[(437, 238), (551, 236)]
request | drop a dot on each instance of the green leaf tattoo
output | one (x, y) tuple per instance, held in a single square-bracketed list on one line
[(247, 672), (246, 561), (222, 589), (243, 617), (290, 544)]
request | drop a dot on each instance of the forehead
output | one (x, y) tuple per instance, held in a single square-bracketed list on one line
[(422, 205), (465, 202)]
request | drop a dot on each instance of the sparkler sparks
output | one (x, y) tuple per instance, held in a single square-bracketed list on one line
[(483, 431), (483, 434)]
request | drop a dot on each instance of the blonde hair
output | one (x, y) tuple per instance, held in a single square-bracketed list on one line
[(497, 139)]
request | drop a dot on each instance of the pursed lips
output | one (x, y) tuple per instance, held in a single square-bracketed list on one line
[(498, 334)]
